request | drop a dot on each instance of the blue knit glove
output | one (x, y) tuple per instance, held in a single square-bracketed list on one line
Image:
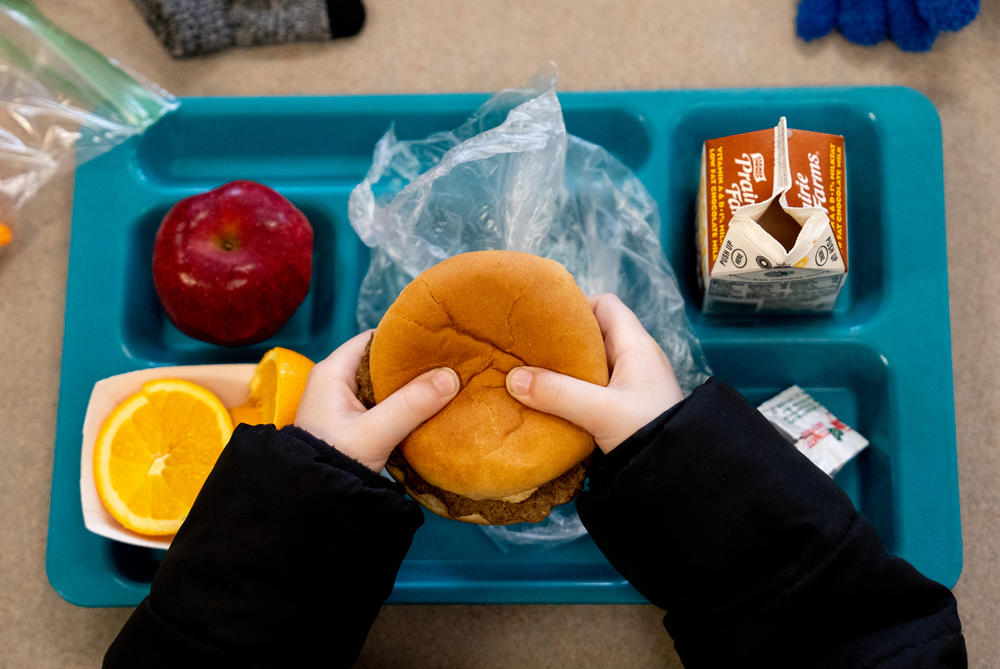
[(912, 24)]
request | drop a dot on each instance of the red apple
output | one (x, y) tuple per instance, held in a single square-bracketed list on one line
[(231, 265)]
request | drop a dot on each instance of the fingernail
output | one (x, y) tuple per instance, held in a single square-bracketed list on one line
[(445, 380), (519, 381)]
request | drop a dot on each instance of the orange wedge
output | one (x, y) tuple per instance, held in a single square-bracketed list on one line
[(154, 452), (277, 385), (246, 413)]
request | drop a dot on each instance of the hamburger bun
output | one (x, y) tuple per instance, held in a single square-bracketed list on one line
[(486, 457)]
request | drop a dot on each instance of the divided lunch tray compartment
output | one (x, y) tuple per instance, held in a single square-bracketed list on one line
[(881, 361)]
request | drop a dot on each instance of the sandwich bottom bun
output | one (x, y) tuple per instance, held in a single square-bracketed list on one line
[(486, 458)]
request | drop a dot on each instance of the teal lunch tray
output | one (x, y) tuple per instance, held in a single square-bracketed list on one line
[(881, 361)]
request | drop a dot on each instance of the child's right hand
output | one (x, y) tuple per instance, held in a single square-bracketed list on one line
[(642, 384)]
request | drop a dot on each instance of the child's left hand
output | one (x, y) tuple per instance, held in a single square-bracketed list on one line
[(330, 410)]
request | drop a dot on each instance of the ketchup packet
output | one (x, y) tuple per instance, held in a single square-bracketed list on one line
[(817, 433)]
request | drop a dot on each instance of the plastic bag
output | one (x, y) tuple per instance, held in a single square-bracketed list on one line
[(60, 98), (512, 178)]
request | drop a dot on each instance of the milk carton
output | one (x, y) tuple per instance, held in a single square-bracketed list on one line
[(772, 221)]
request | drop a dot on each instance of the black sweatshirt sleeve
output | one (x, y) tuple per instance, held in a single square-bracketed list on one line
[(757, 556), (285, 559)]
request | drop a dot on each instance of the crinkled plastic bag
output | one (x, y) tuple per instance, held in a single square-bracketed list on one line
[(60, 99), (512, 178)]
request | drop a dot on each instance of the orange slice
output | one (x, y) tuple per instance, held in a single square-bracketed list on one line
[(154, 452), (277, 385), (246, 413)]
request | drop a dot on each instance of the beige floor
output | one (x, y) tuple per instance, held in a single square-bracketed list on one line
[(456, 45)]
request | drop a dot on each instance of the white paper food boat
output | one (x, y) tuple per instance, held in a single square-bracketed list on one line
[(230, 383)]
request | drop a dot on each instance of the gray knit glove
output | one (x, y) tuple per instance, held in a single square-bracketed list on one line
[(194, 27)]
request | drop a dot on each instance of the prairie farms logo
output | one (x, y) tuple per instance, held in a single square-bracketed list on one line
[(750, 170), (812, 190)]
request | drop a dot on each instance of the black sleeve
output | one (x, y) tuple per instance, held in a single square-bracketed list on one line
[(757, 556), (285, 559)]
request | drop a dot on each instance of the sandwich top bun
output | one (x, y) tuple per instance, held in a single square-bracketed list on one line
[(482, 314)]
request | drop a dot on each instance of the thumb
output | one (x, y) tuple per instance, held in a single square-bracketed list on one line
[(577, 401), (392, 419)]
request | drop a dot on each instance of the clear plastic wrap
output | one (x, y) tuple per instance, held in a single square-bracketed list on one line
[(60, 99), (511, 178)]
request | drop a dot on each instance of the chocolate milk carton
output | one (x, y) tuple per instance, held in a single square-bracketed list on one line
[(772, 221)]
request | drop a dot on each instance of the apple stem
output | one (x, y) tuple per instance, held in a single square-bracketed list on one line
[(229, 242)]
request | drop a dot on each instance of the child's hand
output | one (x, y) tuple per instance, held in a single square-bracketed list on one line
[(642, 383), (329, 409)]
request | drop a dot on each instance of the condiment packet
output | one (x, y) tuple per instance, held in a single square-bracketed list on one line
[(817, 433)]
